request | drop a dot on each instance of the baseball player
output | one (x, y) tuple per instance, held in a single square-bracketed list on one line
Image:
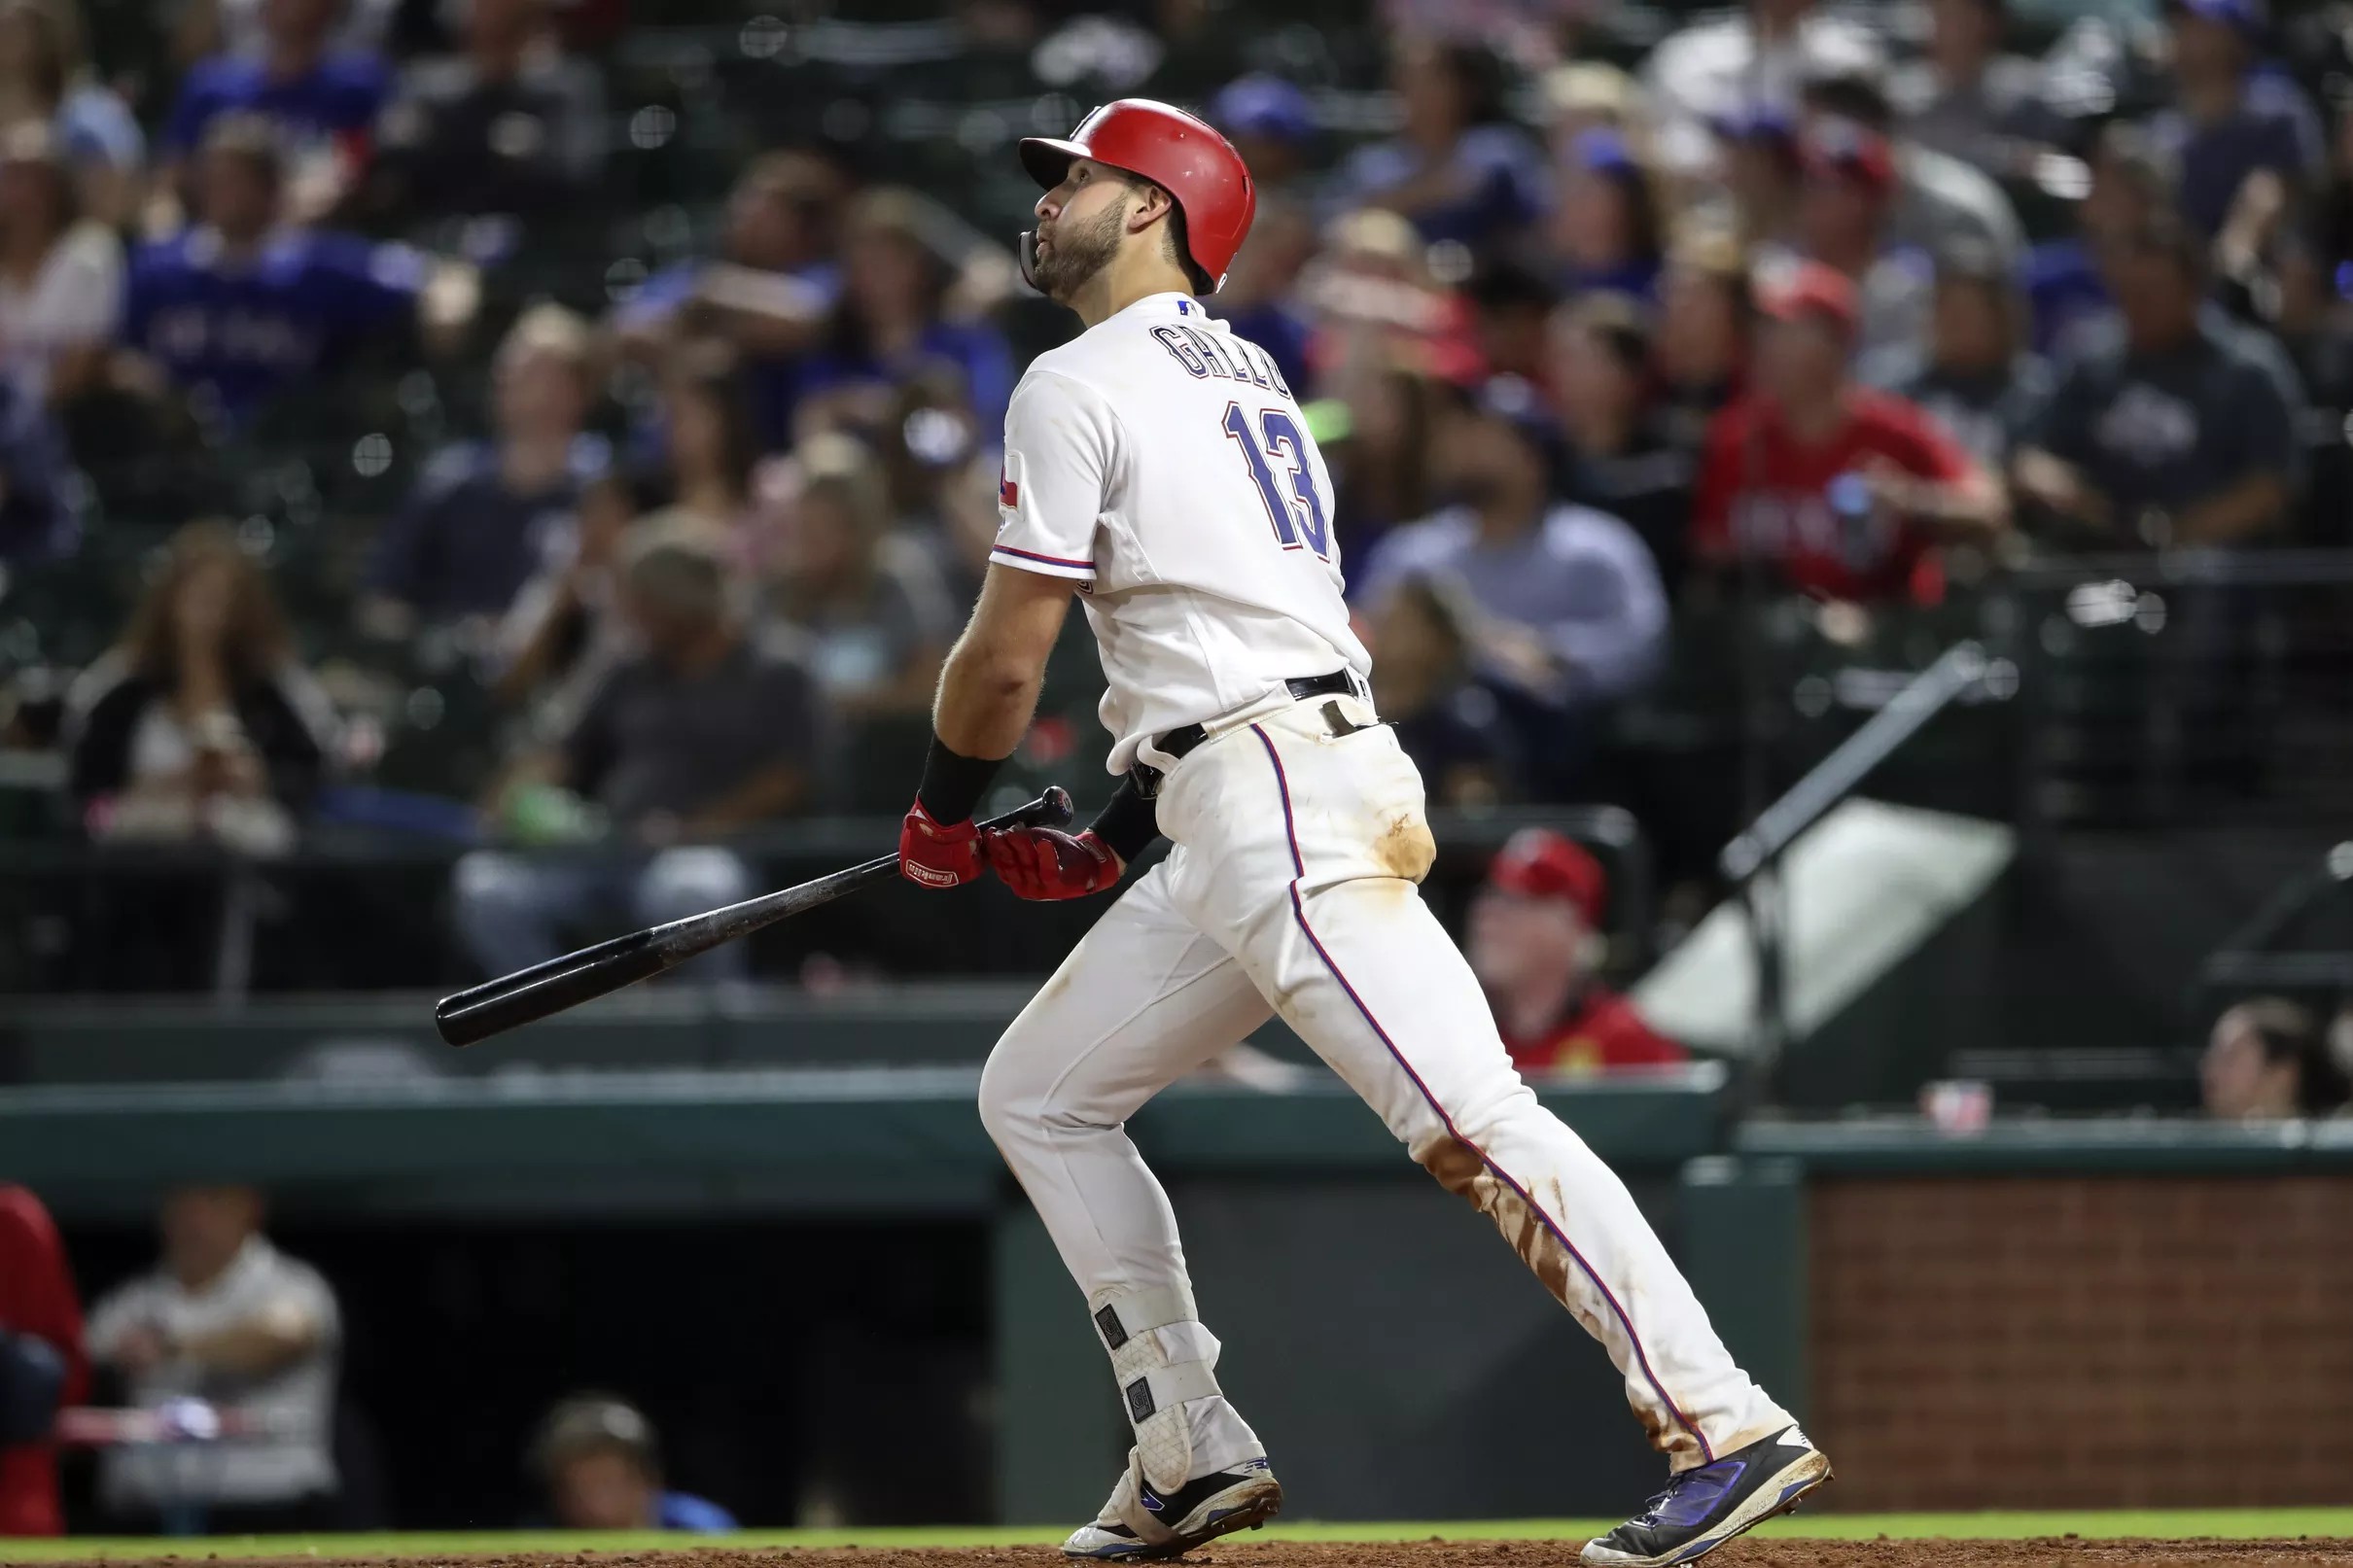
[(1158, 466)]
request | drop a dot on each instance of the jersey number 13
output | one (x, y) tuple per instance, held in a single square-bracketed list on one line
[(1299, 517)]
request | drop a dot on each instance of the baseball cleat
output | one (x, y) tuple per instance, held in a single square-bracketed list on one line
[(1140, 1525), (1705, 1506)]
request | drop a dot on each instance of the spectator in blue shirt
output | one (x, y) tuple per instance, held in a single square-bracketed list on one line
[(323, 101), (603, 1469), (1972, 372), (489, 514), (2184, 429), (1572, 616), (2232, 117), (44, 77), (1459, 169), (893, 323), (236, 309)]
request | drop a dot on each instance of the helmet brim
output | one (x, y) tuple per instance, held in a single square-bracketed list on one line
[(1048, 158)]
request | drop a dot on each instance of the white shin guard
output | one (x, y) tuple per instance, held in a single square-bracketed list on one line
[(1153, 1386)]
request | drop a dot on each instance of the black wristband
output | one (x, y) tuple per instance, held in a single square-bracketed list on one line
[(1129, 824), (953, 784)]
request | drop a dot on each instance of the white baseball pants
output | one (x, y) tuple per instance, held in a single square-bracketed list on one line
[(1290, 889)]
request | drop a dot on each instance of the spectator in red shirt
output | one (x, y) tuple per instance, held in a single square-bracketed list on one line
[(42, 1365), (1534, 932), (1845, 488)]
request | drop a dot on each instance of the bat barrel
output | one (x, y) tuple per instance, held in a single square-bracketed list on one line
[(548, 988)]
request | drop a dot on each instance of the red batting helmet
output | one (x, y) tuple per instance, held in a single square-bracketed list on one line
[(1175, 151)]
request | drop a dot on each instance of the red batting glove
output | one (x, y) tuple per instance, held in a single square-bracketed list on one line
[(933, 856), (1043, 862)]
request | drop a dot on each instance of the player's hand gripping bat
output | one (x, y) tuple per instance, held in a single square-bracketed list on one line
[(545, 988)]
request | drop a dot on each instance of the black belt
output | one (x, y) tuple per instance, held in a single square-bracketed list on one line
[(1177, 742)]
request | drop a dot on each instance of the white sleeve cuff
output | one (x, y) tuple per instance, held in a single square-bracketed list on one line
[(1052, 566)]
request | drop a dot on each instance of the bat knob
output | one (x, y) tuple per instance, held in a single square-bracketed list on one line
[(1054, 807)]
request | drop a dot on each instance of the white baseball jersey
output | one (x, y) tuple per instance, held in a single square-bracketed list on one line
[(1161, 462)]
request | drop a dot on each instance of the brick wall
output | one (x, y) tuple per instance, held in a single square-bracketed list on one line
[(2082, 1342)]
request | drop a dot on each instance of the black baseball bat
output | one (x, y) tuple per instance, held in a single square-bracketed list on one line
[(498, 1005)]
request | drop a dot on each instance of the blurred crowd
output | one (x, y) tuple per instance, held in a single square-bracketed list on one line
[(1837, 310)]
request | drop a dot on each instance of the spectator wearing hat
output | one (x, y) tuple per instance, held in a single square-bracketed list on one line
[(1583, 95), (1535, 941), (1459, 169), (1272, 123), (1571, 614), (488, 514), (1842, 490), (1937, 197), (1969, 101), (1843, 221), (601, 1463), (42, 1364), (2184, 430), (2131, 187), (1606, 227), (1973, 372), (1450, 725), (1619, 456), (1758, 57), (2231, 116), (1763, 169), (2267, 1061)]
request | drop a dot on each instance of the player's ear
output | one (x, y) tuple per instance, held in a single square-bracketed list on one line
[(1153, 202)]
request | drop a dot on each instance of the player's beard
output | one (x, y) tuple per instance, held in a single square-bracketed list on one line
[(1079, 251)]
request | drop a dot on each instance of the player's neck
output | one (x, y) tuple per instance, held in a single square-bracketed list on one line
[(1128, 277)]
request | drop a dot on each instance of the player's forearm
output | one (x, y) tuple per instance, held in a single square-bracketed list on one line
[(986, 698)]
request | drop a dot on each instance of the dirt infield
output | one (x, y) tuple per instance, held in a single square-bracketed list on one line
[(2065, 1552)]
